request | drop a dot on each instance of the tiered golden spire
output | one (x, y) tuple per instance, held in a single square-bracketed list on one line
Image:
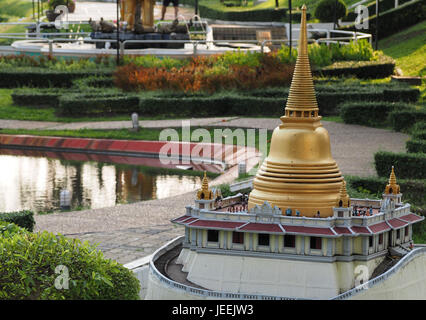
[(392, 187), (205, 192), (302, 101), (344, 201), (299, 171)]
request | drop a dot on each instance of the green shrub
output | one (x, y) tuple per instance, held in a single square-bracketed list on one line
[(29, 269), (414, 146), (43, 78), (78, 104), (419, 126), (29, 97), (373, 114), (405, 119), (87, 84), (382, 68), (419, 134), (24, 219), (407, 165), (179, 103), (326, 8)]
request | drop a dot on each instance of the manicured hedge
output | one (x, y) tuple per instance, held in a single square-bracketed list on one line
[(419, 134), (407, 165), (395, 20), (36, 97), (42, 78), (94, 82), (81, 104), (413, 190), (382, 68), (111, 101), (45, 266), (24, 219), (415, 146), (369, 113), (405, 119)]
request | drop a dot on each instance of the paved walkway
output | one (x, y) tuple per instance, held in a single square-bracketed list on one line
[(132, 231)]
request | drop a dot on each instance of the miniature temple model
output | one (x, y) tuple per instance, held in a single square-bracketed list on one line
[(298, 234)]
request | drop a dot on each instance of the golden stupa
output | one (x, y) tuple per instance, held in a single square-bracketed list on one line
[(392, 187), (299, 172)]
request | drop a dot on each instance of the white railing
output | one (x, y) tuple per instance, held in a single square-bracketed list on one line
[(420, 250), (201, 292)]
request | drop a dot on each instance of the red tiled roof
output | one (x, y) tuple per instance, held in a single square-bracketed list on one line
[(217, 224), (308, 230), (396, 223), (188, 221), (411, 217), (357, 229), (342, 230), (265, 227), (379, 227), (180, 219)]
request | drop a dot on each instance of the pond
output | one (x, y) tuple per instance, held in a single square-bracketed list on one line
[(34, 181)]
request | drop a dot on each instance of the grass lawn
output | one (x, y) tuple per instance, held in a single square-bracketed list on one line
[(408, 48)]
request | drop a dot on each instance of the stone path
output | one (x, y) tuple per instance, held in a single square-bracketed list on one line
[(128, 232)]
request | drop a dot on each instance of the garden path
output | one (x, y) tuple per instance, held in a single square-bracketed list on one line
[(131, 231)]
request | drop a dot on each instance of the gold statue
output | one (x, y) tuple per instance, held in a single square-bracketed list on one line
[(133, 10)]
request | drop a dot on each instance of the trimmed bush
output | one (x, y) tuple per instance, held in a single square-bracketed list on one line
[(24, 219), (415, 146), (112, 101), (369, 113), (382, 68), (43, 78), (419, 134), (94, 82), (405, 119), (78, 104), (326, 8), (29, 269), (36, 97), (407, 165)]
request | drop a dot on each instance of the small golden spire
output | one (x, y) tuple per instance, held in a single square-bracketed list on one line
[(343, 201), (205, 185), (392, 187), (205, 193), (302, 101)]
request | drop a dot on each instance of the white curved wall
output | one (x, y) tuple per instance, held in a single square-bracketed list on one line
[(409, 282)]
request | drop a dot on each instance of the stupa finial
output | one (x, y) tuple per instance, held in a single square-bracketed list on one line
[(302, 101)]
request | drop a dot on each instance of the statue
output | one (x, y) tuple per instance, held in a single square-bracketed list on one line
[(131, 14)]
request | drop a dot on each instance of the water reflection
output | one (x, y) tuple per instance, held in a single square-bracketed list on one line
[(35, 183)]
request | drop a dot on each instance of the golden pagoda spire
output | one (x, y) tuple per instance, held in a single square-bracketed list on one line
[(343, 201), (205, 193), (302, 101), (299, 171), (392, 187)]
